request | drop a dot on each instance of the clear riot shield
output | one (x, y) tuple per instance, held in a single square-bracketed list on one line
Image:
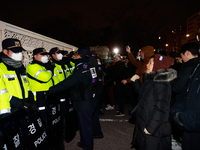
[(71, 122)]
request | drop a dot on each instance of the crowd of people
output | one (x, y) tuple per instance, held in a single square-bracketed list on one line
[(162, 90), (165, 98)]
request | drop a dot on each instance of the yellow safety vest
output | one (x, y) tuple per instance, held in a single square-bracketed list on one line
[(60, 72), (10, 86), (71, 69), (39, 73)]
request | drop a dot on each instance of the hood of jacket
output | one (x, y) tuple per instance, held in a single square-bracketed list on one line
[(163, 75), (148, 52)]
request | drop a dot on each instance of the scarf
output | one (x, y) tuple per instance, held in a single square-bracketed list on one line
[(11, 62)]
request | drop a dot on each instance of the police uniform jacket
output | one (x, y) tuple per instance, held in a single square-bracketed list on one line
[(70, 65), (40, 78), (14, 87), (80, 84), (60, 70)]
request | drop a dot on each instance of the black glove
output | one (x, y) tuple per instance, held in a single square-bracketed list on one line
[(176, 116), (33, 104), (29, 106), (25, 106)]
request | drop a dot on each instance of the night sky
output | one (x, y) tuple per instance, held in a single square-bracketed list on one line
[(101, 22)]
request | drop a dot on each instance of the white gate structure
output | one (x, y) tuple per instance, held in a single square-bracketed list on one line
[(30, 40)]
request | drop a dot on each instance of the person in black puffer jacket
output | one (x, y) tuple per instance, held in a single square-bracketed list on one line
[(152, 127)]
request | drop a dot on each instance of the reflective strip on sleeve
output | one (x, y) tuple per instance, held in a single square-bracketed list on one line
[(62, 100), (3, 91), (41, 108), (50, 72), (37, 73), (23, 76), (4, 111), (9, 76), (55, 75), (34, 93), (72, 68), (59, 70)]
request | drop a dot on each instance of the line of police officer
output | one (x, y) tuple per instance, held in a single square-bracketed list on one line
[(19, 85)]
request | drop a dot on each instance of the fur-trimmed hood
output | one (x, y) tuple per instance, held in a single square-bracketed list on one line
[(163, 75)]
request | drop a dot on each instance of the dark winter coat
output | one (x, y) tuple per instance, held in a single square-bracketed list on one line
[(188, 103), (153, 111), (118, 72), (108, 79)]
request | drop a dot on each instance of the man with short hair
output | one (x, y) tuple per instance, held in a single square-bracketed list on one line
[(185, 112), (14, 86), (189, 53)]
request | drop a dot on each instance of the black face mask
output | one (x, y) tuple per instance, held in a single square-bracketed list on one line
[(81, 60)]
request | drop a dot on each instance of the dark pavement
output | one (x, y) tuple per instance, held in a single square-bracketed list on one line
[(117, 132)]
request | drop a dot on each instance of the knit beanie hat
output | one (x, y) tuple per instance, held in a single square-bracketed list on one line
[(162, 62)]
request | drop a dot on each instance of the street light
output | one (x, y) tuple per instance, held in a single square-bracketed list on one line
[(187, 35), (116, 50), (166, 45)]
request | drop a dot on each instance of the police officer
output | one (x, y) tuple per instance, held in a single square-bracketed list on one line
[(98, 86), (40, 77), (62, 72), (82, 96), (14, 88), (69, 61), (60, 68)]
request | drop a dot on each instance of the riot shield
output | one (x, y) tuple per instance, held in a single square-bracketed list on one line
[(54, 122), (71, 122), (10, 131), (34, 135)]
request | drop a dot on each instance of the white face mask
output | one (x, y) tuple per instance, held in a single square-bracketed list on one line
[(59, 56), (17, 56), (44, 59)]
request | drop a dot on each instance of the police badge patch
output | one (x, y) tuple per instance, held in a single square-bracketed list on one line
[(93, 72), (17, 43)]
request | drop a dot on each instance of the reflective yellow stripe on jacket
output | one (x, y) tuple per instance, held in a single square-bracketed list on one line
[(40, 73), (10, 86)]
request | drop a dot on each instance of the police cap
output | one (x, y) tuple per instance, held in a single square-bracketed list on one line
[(55, 50), (84, 52), (64, 52), (40, 51), (12, 44)]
